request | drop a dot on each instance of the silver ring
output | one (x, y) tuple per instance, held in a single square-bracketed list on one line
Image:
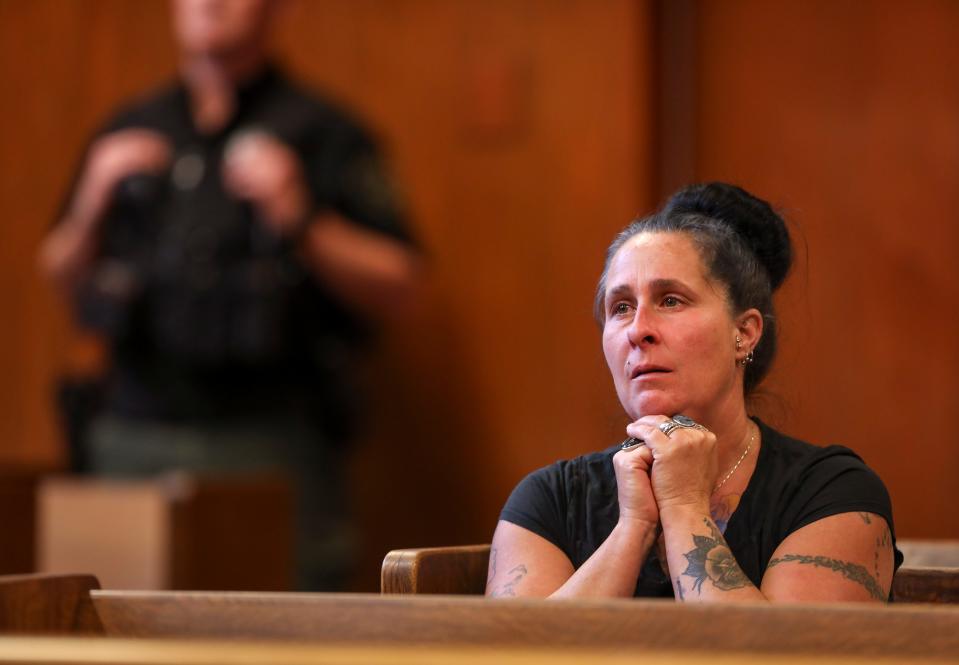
[(631, 443), (668, 426), (687, 422)]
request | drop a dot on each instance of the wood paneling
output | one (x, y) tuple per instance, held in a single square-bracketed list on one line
[(522, 134), (519, 132), (846, 115), (63, 65), (18, 517)]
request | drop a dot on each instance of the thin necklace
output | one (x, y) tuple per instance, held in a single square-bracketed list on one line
[(736, 465)]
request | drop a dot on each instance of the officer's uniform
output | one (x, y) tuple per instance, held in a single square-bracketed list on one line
[(227, 354)]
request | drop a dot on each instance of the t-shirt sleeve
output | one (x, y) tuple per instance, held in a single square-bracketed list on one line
[(348, 173), (839, 482), (369, 193), (537, 503)]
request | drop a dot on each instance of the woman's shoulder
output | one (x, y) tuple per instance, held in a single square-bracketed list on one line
[(803, 457), (563, 481), (834, 472), (797, 483), (564, 500), (590, 467)]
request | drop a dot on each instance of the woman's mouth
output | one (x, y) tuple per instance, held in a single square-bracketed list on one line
[(648, 371)]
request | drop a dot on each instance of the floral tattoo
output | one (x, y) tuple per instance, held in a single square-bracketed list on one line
[(711, 559)]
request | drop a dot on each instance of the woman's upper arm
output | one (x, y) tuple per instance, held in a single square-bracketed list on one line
[(845, 557), (522, 563)]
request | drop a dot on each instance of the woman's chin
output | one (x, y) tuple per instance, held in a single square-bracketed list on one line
[(658, 405)]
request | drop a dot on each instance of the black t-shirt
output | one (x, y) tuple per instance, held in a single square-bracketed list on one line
[(216, 316), (573, 503)]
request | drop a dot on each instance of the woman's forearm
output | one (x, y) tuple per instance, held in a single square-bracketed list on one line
[(613, 569), (702, 567)]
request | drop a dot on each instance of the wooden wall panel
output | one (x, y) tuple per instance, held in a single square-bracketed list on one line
[(522, 135), (520, 132), (846, 115), (63, 66)]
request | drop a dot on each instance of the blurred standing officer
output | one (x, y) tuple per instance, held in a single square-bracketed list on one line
[(233, 237)]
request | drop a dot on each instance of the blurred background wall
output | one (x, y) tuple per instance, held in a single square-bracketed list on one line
[(525, 134)]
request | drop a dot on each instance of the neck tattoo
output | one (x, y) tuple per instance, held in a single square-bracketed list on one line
[(736, 465)]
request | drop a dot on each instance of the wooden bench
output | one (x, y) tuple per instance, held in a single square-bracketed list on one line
[(70, 606), (107, 651), (48, 604), (462, 570), (919, 553), (875, 630)]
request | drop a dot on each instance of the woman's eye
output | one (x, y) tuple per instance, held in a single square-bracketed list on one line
[(671, 301)]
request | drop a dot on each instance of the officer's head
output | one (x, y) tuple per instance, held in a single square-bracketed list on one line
[(222, 28)]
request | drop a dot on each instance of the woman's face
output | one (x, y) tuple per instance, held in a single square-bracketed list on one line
[(669, 337)]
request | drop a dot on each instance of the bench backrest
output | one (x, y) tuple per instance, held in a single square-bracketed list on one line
[(462, 570), (863, 629), (929, 553), (72, 604), (47, 604)]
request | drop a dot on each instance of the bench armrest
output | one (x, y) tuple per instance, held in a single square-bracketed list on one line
[(446, 570)]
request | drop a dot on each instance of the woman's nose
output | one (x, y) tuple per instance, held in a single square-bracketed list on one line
[(641, 330)]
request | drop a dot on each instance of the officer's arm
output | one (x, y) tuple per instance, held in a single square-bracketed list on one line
[(71, 247), (369, 270)]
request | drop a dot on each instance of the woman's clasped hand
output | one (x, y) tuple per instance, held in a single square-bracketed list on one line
[(686, 468)]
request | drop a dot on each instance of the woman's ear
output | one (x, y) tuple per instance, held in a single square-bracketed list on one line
[(749, 330)]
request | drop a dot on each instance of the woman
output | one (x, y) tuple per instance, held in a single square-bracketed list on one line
[(702, 502)]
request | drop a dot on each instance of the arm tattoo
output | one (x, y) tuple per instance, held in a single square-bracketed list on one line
[(679, 590), (492, 566), (851, 571), (508, 588), (886, 539), (711, 559), (883, 543)]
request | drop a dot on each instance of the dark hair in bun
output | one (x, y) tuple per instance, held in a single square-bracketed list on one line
[(753, 219), (744, 244)]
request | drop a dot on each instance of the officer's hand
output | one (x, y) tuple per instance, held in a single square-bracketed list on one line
[(259, 168), (112, 158)]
